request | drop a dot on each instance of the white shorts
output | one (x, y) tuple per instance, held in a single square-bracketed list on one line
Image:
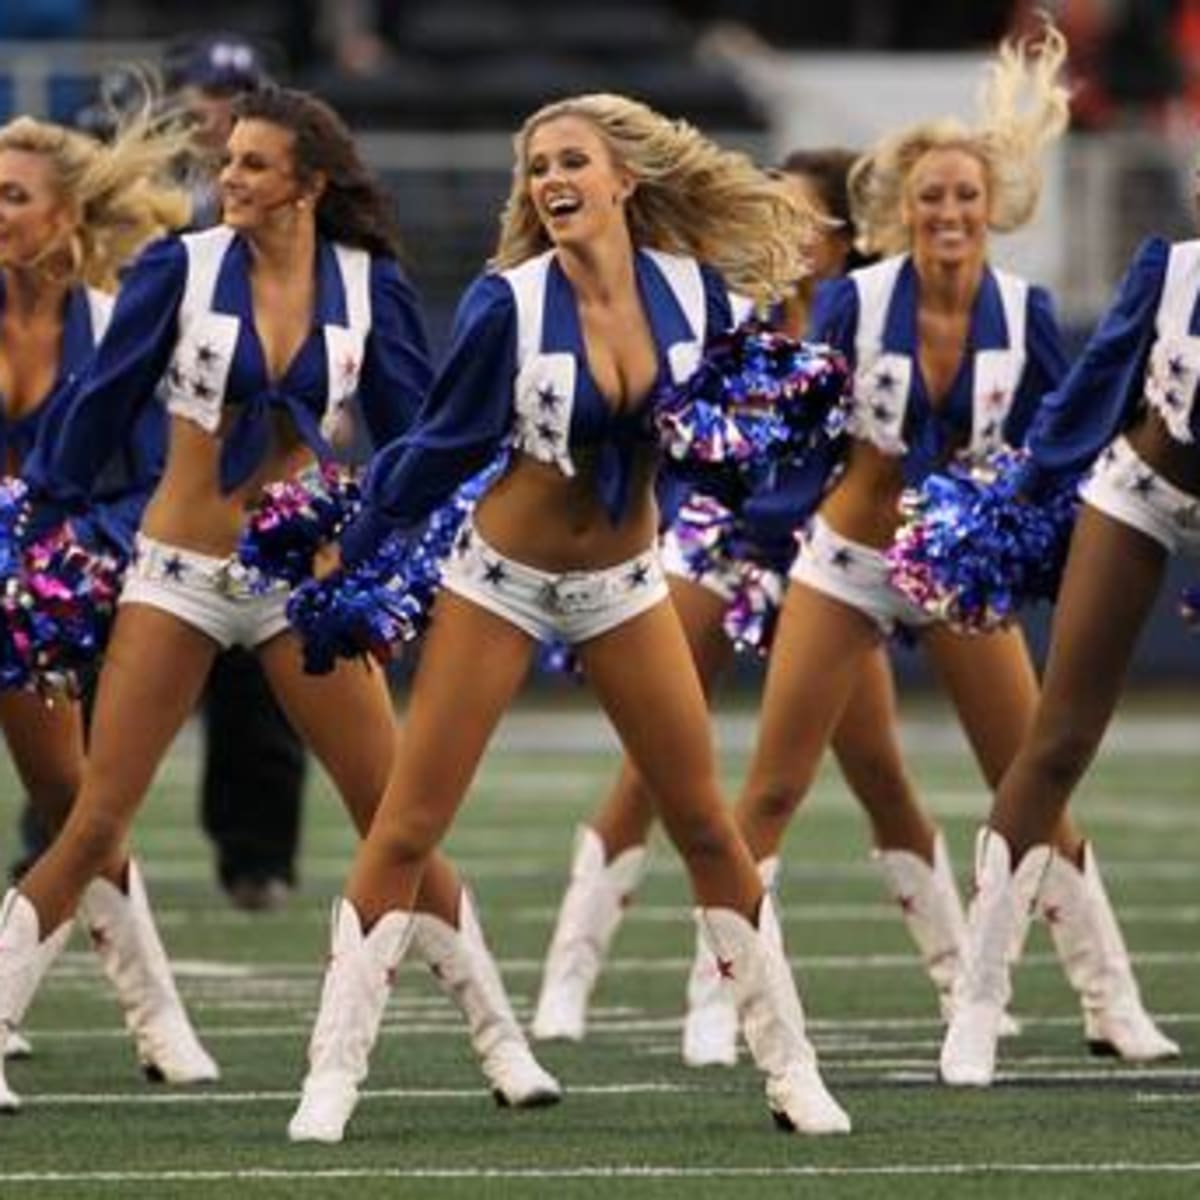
[(720, 576), (855, 574), (211, 594), (570, 606), (1127, 489)]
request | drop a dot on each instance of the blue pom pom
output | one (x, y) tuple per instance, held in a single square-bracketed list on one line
[(972, 552), (379, 605), (758, 397), (58, 596), (294, 518), (710, 538)]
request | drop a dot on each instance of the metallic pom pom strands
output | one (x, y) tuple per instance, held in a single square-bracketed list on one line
[(972, 551), (295, 517), (710, 538), (57, 599), (757, 398), (384, 602)]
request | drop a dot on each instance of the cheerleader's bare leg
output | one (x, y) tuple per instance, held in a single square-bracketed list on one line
[(154, 668), (1112, 577), (642, 671), (446, 729), (610, 852)]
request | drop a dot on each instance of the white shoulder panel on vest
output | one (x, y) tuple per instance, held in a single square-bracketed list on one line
[(100, 307), (205, 253), (528, 284), (687, 283), (1173, 370), (741, 307), (355, 265), (1014, 297), (874, 285), (1180, 286)]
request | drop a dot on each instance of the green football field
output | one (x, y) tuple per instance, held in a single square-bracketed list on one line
[(635, 1122)]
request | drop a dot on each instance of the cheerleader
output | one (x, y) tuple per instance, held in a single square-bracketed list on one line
[(709, 590), (71, 212), (259, 335), (1127, 416), (602, 290), (950, 357)]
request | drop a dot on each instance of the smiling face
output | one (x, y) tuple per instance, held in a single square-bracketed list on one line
[(946, 207), (258, 180), (576, 189), (34, 216)]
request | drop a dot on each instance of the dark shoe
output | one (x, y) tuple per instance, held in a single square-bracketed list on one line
[(258, 893)]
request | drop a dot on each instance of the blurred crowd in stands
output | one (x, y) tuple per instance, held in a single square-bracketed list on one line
[(1134, 61)]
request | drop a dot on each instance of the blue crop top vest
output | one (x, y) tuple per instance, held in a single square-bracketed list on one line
[(1145, 350), (1012, 357), (86, 313), (183, 328), (516, 374)]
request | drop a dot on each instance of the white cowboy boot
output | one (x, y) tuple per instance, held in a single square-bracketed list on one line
[(591, 910), (983, 988), (710, 1025), (928, 899), (465, 971), (752, 965), (17, 1046), (23, 961), (123, 934), (1093, 954), (358, 979)]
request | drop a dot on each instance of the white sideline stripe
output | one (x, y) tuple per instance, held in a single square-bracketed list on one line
[(1165, 1070), (917, 1072), (203, 1095), (395, 1024), (815, 914), (80, 965), (1166, 1097), (884, 1170)]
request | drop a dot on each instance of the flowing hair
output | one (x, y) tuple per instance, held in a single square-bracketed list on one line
[(122, 191), (690, 197), (1023, 107), (354, 208)]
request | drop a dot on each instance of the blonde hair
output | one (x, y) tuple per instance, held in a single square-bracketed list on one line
[(1023, 107), (121, 191), (690, 197)]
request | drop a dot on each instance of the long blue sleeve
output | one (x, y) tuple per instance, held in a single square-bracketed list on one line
[(834, 316), (1045, 364), (396, 371), (103, 411), (1075, 422), (459, 429)]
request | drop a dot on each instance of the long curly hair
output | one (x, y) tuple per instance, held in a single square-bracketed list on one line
[(122, 191), (690, 197), (1023, 107), (354, 208)]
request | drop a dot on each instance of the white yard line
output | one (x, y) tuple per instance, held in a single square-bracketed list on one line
[(882, 1170)]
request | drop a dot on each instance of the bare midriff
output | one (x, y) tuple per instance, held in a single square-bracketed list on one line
[(555, 522), (864, 504), (189, 509)]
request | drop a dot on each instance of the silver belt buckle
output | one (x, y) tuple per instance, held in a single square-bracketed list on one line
[(232, 578), (575, 593)]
